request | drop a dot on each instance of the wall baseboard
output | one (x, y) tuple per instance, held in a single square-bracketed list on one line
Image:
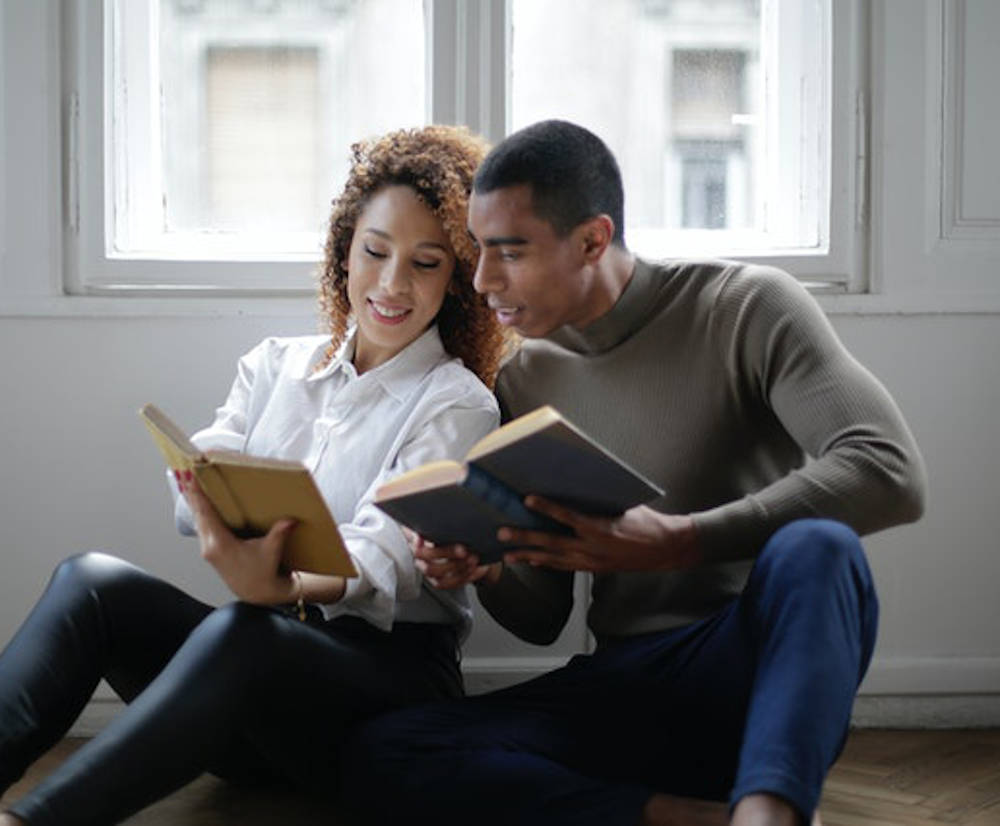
[(897, 693), (927, 711), (933, 675)]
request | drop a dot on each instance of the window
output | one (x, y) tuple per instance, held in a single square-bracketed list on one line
[(719, 113), (706, 148), (227, 123), (229, 136)]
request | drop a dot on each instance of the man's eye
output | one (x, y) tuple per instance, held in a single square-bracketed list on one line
[(509, 255)]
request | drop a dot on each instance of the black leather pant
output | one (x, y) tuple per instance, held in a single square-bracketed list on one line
[(246, 692)]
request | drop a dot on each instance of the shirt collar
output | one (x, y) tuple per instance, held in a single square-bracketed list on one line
[(400, 374), (618, 323)]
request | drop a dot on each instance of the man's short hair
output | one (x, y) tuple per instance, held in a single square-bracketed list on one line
[(572, 174)]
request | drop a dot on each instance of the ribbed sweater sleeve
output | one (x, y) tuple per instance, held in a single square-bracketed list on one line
[(864, 467)]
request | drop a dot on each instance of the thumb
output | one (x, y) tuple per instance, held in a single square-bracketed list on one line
[(280, 530)]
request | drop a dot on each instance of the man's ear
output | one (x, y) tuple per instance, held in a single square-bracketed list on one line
[(596, 234)]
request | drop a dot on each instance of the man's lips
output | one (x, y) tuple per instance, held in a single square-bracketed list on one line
[(506, 313), (505, 308)]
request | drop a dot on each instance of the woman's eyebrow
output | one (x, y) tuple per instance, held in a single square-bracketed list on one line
[(381, 233)]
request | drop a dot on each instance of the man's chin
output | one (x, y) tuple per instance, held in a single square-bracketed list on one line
[(534, 331), (524, 323)]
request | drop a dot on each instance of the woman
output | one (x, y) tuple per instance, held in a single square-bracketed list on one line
[(250, 691)]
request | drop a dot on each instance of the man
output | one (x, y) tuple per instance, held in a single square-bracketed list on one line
[(734, 616)]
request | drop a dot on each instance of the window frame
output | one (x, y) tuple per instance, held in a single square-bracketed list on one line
[(467, 81)]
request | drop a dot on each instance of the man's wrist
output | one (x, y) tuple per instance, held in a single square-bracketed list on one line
[(687, 552)]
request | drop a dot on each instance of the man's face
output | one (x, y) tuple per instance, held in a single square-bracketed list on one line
[(533, 279)]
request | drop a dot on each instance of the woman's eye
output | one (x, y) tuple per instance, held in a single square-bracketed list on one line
[(374, 253), (427, 265)]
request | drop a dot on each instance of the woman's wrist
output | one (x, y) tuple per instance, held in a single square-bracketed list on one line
[(492, 575), (320, 589), (300, 605)]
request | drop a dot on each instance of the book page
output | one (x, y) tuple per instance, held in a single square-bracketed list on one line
[(431, 475), (173, 443), (514, 430)]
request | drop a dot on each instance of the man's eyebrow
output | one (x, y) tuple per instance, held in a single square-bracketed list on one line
[(500, 241)]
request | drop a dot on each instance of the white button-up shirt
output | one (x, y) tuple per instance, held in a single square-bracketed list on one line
[(353, 433)]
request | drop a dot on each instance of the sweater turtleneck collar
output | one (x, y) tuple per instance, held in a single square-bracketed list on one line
[(618, 323)]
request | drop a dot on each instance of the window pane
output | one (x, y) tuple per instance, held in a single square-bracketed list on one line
[(687, 95), (262, 147), (258, 102)]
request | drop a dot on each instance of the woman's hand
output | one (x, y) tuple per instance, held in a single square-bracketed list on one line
[(450, 566), (249, 567), (641, 539)]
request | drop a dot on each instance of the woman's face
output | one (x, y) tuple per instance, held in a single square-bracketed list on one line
[(398, 270)]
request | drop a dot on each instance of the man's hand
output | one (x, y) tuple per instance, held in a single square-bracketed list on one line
[(641, 539), (250, 567)]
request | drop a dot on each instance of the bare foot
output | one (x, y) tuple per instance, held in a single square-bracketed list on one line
[(667, 810), (768, 810)]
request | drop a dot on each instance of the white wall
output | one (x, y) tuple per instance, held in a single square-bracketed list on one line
[(78, 471)]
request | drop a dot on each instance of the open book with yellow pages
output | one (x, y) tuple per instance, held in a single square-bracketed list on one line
[(252, 493), (540, 452)]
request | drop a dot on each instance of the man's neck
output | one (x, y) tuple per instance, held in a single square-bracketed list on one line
[(611, 275)]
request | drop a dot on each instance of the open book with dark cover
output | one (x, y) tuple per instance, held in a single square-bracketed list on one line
[(252, 493), (540, 452)]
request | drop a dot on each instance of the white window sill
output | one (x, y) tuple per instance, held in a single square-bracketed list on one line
[(305, 306), (146, 306)]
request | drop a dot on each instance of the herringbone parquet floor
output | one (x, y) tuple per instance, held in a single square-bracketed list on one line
[(884, 778), (915, 778)]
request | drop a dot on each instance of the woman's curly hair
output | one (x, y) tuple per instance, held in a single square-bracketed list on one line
[(438, 163)]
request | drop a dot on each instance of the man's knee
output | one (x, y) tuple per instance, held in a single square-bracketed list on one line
[(814, 550)]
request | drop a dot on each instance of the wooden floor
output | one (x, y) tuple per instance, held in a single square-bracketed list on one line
[(915, 778), (884, 778)]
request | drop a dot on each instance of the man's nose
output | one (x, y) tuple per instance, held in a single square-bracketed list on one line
[(486, 279)]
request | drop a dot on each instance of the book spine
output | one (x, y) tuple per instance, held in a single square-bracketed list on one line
[(214, 484), (508, 501)]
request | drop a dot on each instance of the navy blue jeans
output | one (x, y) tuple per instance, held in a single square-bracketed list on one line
[(246, 692), (756, 698)]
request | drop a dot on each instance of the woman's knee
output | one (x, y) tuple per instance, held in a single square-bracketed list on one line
[(242, 633), (93, 571)]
